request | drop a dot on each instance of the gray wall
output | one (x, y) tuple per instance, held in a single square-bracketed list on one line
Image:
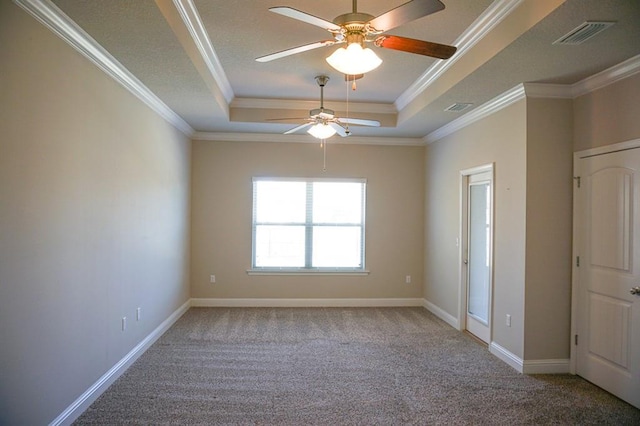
[(222, 206), (94, 221), (500, 139), (531, 143), (607, 115), (549, 229)]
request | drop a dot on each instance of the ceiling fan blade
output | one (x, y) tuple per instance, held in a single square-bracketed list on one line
[(294, 50), (339, 129), (420, 47), (305, 17), (295, 129), (360, 122), (407, 12)]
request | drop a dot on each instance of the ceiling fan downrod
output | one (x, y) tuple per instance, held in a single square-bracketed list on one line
[(322, 81)]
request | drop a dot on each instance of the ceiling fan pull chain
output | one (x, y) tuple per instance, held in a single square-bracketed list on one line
[(354, 82), (324, 156)]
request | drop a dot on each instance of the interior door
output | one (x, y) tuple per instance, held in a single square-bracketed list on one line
[(479, 255), (608, 270)]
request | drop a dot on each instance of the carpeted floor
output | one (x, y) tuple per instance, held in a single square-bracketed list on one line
[(338, 366)]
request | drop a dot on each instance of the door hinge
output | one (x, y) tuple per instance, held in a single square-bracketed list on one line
[(578, 261), (577, 178), (575, 340)]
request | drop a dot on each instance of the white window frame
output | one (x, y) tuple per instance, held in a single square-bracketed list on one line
[(309, 224)]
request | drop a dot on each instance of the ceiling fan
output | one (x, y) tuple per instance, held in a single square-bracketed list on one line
[(357, 28), (323, 122)]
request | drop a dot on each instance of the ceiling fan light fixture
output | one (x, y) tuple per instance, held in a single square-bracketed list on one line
[(354, 59), (321, 131)]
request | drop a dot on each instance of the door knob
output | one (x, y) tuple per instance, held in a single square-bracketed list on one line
[(635, 290)]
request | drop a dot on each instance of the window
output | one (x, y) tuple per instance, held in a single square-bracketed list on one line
[(307, 225)]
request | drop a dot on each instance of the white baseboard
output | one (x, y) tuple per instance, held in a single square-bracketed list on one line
[(304, 303), (506, 356), (546, 366), (90, 395), (534, 366), (442, 314)]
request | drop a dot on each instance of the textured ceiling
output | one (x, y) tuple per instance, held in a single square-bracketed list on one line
[(152, 41)]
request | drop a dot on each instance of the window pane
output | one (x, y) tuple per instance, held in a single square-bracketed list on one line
[(479, 251), (337, 246), (279, 246), (337, 202), (280, 202)]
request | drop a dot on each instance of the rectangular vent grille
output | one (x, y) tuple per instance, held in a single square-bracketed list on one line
[(457, 107), (583, 32)]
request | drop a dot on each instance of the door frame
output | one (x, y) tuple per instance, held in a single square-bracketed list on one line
[(462, 244), (577, 235)]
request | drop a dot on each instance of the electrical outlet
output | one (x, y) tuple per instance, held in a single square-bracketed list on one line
[(212, 279), (508, 321), (407, 279), (138, 314)]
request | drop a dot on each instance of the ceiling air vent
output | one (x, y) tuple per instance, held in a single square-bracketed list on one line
[(583, 32), (458, 107)]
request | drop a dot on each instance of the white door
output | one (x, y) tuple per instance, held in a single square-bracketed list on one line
[(608, 270), (479, 254)]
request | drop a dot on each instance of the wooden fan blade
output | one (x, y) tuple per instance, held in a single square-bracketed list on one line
[(339, 129), (295, 50), (305, 17), (295, 129), (419, 47), (360, 122), (407, 12)]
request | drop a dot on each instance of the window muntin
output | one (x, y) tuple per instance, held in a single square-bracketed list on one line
[(308, 224)]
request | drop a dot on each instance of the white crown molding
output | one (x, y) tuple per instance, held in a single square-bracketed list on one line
[(554, 91), (365, 107), (609, 76), (304, 138), (491, 17), (53, 18), (496, 104), (540, 90), (192, 21)]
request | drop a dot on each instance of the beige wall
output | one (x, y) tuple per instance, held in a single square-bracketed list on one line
[(94, 209), (608, 115), (222, 205), (549, 233), (500, 139)]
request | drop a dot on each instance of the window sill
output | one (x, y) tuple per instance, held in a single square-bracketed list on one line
[(358, 272)]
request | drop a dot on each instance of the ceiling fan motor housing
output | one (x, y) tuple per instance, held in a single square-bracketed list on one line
[(322, 113)]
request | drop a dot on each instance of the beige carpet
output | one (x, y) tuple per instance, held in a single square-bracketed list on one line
[(338, 366)]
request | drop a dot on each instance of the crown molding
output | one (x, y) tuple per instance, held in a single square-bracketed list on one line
[(609, 76), (541, 90), (482, 26), (365, 107), (53, 18), (303, 138), (192, 21), (496, 104)]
